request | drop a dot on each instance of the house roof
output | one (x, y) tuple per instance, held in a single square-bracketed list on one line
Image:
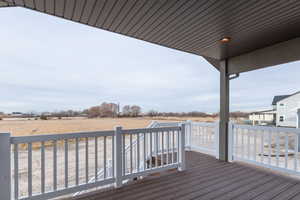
[(281, 97), (264, 112), (191, 26)]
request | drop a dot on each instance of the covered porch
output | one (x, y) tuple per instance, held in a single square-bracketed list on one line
[(234, 37)]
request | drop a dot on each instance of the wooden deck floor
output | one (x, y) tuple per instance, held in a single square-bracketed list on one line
[(207, 178)]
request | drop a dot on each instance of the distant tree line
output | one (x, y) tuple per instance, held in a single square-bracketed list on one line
[(113, 110), (131, 111), (153, 113), (104, 110)]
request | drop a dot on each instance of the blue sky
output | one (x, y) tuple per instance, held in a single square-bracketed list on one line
[(50, 64)]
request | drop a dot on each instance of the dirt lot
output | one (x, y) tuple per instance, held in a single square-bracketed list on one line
[(33, 127)]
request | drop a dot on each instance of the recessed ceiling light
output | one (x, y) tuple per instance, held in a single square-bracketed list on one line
[(225, 39)]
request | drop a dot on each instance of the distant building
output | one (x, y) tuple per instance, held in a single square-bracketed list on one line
[(265, 117), (16, 114), (286, 107), (285, 112)]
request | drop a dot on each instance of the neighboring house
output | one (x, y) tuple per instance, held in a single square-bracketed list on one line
[(286, 107), (266, 117), (16, 114)]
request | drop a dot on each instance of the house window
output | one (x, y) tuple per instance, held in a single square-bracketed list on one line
[(281, 104), (281, 118)]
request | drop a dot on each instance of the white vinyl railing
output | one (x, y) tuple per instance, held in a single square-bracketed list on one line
[(109, 167), (271, 147), (204, 137), (48, 166)]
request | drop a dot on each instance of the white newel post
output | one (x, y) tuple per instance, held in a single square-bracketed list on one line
[(118, 156), (181, 151), (5, 168), (216, 131), (230, 141), (188, 134)]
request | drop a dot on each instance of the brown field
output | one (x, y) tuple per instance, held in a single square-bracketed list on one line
[(33, 127)]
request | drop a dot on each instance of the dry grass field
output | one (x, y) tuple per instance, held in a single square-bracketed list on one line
[(34, 127)]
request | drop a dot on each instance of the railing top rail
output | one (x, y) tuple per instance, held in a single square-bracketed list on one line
[(49, 137), (168, 124), (268, 128), (148, 130), (206, 124)]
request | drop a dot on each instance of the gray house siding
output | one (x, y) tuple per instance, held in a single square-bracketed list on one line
[(287, 111)]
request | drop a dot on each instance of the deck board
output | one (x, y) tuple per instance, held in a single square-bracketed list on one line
[(206, 178)]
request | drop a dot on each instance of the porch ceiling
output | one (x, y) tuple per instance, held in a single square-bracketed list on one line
[(194, 26)]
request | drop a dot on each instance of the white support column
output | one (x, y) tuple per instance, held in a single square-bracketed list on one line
[(118, 156), (181, 151), (5, 168)]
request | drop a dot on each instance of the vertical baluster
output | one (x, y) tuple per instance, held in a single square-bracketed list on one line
[(131, 154), (43, 167), (16, 170), (262, 147), (96, 159), (269, 147), (277, 135), (205, 130), (206, 135), (77, 160), (236, 132), (202, 135), (104, 158), (162, 148), (173, 147), (29, 169), (156, 149), (243, 148), (134, 160), (197, 135), (86, 159), (66, 164), (54, 165), (138, 151), (248, 144), (178, 146), (295, 152), (255, 145), (144, 151), (286, 144), (124, 162), (168, 147), (113, 159), (150, 150), (191, 134)]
